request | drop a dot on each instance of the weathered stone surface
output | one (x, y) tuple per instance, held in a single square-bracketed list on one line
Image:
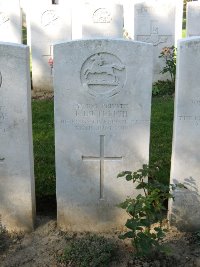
[(159, 23), (102, 19), (10, 21), (193, 19), (17, 199), (102, 122), (49, 23), (184, 211)]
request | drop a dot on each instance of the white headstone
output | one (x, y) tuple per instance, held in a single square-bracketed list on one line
[(102, 121), (193, 19), (184, 211), (102, 19), (17, 199), (158, 22), (10, 21), (49, 23)]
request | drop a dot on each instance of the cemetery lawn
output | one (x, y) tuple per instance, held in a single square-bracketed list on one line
[(162, 112)]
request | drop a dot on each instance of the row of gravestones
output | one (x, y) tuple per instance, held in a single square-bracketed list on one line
[(48, 23), (102, 109), (151, 21)]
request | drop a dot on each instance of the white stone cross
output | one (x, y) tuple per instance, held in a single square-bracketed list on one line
[(101, 158)]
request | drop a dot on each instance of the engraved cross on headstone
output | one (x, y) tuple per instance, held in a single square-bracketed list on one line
[(101, 160), (50, 58)]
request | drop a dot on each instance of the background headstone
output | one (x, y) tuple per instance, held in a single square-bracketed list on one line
[(102, 19), (193, 19), (184, 211), (10, 21), (17, 196), (158, 22), (49, 23), (102, 122)]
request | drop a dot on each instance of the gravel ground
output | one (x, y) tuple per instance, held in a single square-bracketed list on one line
[(43, 247)]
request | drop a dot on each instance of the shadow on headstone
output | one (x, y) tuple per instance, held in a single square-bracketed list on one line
[(185, 210)]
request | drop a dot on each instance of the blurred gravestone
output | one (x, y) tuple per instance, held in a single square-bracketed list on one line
[(193, 19), (102, 126), (184, 211), (49, 23), (17, 196), (10, 21), (159, 23), (102, 19)]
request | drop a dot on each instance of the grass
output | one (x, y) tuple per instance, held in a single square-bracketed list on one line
[(90, 250), (43, 140), (43, 137), (183, 33), (161, 135)]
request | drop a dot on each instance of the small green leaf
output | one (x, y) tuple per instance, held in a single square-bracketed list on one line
[(129, 177), (122, 237), (121, 174), (129, 235)]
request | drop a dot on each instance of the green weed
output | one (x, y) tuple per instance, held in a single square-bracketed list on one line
[(146, 209), (91, 250)]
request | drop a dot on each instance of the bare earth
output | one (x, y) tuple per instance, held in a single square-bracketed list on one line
[(43, 247)]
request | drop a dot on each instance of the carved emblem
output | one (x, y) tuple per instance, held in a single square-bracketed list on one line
[(3, 18), (154, 36), (144, 10), (103, 75), (48, 17), (102, 15)]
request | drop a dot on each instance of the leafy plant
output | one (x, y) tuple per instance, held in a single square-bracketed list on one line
[(169, 56), (167, 87), (91, 250), (163, 88), (145, 224)]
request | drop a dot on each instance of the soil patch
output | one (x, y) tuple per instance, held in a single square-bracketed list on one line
[(43, 247)]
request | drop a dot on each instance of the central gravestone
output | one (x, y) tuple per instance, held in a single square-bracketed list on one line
[(102, 120)]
